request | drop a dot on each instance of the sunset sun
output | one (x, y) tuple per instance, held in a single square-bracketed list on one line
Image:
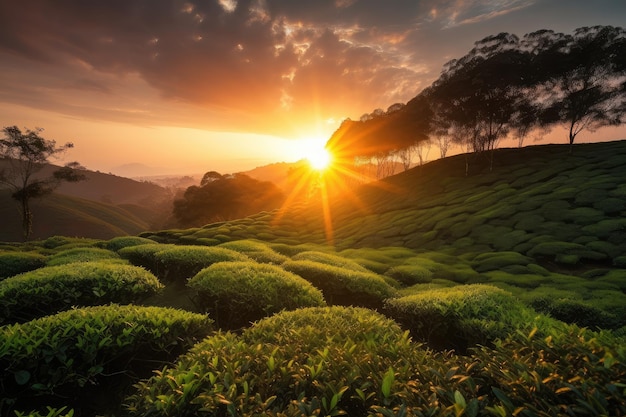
[(319, 158)]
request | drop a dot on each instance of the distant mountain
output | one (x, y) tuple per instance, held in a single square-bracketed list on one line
[(137, 169)]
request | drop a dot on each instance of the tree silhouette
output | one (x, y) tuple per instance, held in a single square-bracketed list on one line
[(583, 85), (25, 154), (225, 197)]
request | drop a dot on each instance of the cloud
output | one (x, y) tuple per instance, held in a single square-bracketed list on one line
[(258, 65)]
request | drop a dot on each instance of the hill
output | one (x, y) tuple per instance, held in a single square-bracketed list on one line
[(64, 215), (543, 221), (428, 293)]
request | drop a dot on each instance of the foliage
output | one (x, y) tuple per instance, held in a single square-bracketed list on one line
[(257, 250), (460, 317), (224, 198), (350, 361), (505, 85), (342, 286), (120, 242), (328, 259), (319, 361), (13, 263), (571, 372), (179, 263), (27, 153), (237, 293), (83, 255), (144, 255), (87, 358), (48, 290)]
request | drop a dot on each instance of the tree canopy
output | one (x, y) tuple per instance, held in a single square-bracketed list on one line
[(506, 86), (225, 197)]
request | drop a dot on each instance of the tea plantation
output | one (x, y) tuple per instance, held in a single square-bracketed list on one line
[(436, 292)]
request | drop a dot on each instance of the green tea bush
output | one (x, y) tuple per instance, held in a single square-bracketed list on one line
[(144, 255), (179, 263), (256, 250), (87, 358), (459, 317), (13, 263), (342, 286), (497, 260), (237, 293), (308, 362), (120, 242), (54, 288), (572, 372), (410, 274), (577, 312), (83, 255), (328, 259)]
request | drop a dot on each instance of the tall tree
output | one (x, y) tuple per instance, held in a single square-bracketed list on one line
[(24, 154), (480, 93), (583, 77)]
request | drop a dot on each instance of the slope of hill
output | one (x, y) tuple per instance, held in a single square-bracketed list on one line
[(533, 195), (59, 214), (544, 224)]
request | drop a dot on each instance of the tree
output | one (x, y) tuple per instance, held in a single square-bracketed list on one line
[(583, 78), (225, 198), (24, 154)]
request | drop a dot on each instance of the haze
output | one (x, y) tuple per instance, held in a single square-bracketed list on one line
[(177, 87)]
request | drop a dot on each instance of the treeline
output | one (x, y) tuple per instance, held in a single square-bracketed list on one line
[(225, 197), (505, 86)]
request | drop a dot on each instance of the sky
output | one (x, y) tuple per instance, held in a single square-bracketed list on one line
[(147, 87)]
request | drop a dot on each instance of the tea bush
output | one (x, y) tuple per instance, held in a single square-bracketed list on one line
[(328, 259), (84, 255), (342, 286), (54, 288), (410, 274), (577, 312), (314, 361), (120, 242), (144, 255), (179, 263), (237, 293), (13, 263), (572, 372), (256, 250), (460, 317), (87, 358)]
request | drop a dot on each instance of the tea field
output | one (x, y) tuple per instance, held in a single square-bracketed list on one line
[(451, 289)]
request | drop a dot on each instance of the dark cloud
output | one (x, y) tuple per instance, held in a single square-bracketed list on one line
[(252, 62)]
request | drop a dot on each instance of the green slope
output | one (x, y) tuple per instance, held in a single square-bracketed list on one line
[(59, 214), (533, 197)]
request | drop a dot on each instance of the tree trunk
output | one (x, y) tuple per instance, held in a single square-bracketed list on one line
[(27, 218)]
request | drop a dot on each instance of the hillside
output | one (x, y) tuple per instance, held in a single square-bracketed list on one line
[(430, 293), (542, 222), (64, 215), (533, 195)]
